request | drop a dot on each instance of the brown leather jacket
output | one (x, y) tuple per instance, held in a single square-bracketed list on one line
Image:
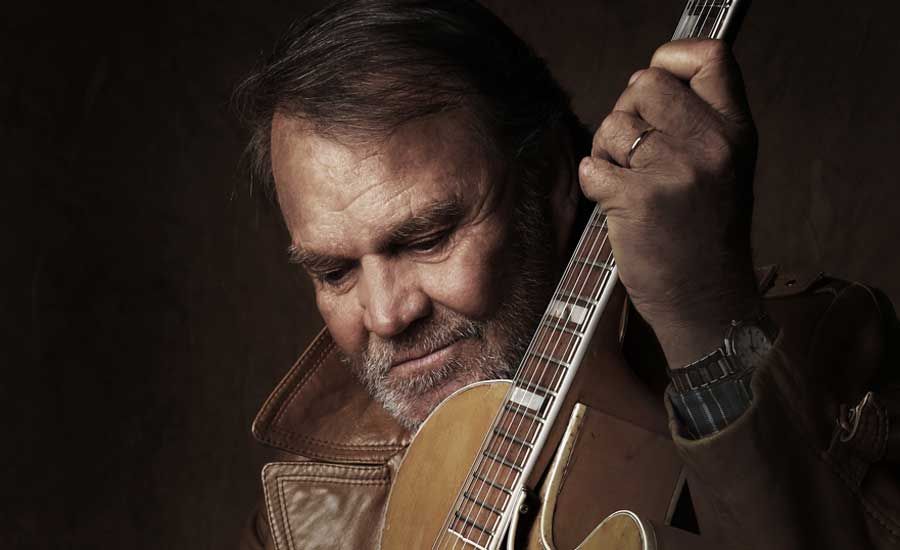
[(800, 469)]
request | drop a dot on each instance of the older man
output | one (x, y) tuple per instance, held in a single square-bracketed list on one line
[(432, 178)]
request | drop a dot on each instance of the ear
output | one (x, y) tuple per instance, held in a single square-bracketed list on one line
[(565, 192)]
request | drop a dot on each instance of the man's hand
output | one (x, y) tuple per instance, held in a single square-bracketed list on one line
[(679, 217)]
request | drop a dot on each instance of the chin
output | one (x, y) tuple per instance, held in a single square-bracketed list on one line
[(412, 411)]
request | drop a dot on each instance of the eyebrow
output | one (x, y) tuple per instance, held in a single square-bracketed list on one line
[(438, 214)]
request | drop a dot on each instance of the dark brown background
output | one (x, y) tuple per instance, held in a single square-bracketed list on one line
[(148, 308)]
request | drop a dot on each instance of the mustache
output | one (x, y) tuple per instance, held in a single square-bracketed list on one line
[(437, 332)]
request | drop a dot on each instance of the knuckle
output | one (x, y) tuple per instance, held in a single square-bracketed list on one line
[(653, 78), (613, 123), (610, 129)]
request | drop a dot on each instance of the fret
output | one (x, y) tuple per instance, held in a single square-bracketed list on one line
[(497, 472), (484, 505), (607, 266), (476, 511), (527, 414), (582, 279), (593, 238), (534, 387), (502, 460), (513, 424), (556, 344), (512, 438), (491, 496), (598, 221), (516, 454), (541, 372), (547, 324), (584, 283), (551, 360), (567, 295), (490, 483), (471, 523)]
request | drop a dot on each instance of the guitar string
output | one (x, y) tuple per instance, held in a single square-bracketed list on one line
[(697, 19), (700, 24), (534, 343), (551, 343), (490, 474), (480, 460), (720, 21), (576, 286), (702, 19), (683, 22), (705, 11)]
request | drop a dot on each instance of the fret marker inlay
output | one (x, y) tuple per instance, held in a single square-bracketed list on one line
[(527, 399), (568, 312)]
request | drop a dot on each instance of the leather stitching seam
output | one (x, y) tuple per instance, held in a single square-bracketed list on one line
[(271, 513), (333, 481), (281, 498), (302, 382)]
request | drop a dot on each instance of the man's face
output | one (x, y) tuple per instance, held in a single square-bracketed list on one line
[(428, 264)]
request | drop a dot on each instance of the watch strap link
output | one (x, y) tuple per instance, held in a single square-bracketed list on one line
[(705, 371)]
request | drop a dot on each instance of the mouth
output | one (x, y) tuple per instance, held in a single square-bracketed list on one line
[(416, 364)]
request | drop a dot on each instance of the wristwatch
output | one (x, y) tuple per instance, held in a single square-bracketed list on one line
[(747, 343)]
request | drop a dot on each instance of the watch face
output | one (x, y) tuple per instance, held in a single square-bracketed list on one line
[(750, 344)]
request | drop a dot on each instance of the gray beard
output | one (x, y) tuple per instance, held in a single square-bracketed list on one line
[(503, 338)]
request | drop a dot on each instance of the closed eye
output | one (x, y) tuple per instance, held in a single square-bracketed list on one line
[(430, 244), (334, 278)]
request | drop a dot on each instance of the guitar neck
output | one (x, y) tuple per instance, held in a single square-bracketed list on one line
[(718, 19), (487, 499)]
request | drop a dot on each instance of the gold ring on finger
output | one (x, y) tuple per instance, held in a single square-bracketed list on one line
[(637, 143)]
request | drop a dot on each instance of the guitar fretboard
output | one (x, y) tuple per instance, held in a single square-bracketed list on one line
[(487, 499)]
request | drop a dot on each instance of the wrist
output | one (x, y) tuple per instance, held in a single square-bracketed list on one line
[(688, 334)]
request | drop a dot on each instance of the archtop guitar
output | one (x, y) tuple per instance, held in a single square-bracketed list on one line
[(464, 478)]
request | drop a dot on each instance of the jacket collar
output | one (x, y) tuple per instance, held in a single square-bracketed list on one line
[(321, 411)]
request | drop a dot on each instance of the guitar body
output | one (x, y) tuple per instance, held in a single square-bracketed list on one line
[(439, 460), (436, 465)]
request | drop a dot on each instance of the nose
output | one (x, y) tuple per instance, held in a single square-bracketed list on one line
[(390, 295)]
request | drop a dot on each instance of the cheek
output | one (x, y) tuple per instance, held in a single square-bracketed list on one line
[(470, 281), (344, 321)]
